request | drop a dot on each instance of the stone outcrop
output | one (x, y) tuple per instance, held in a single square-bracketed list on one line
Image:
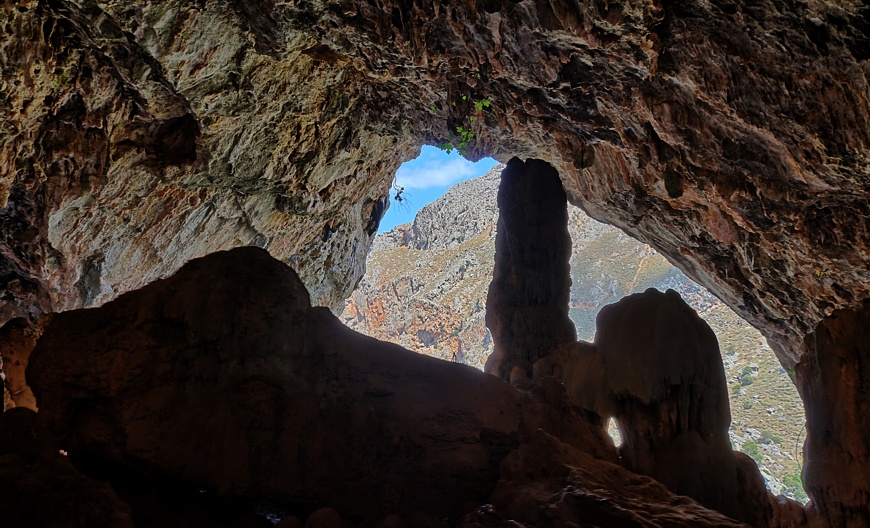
[(17, 339), (430, 301), (117, 168), (425, 283), (655, 368), (547, 484), (223, 377), (527, 301), (833, 377), (665, 382)]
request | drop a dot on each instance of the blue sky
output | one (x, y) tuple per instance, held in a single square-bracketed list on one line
[(426, 179)]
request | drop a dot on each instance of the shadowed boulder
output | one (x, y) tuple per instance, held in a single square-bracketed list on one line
[(667, 388), (224, 377)]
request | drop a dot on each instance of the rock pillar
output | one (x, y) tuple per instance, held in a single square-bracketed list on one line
[(667, 391), (833, 378), (527, 303)]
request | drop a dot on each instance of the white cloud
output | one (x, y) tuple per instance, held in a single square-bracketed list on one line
[(434, 173)]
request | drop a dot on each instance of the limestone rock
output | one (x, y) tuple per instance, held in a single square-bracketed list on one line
[(223, 377), (17, 339), (666, 384), (527, 300), (425, 284), (117, 169), (832, 378), (547, 484), (731, 136), (467, 209), (430, 301)]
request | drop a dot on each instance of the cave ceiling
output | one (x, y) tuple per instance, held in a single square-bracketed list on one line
[(732, 136)]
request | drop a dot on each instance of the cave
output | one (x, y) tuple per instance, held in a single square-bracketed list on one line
[(183, 178)]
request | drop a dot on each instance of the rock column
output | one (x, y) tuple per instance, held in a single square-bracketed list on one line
[(667, 390), (527, 303), (833, 378)]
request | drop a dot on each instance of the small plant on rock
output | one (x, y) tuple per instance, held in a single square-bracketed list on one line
[(462, 135)]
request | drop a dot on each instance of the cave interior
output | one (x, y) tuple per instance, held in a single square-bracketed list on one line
[(190, 188)]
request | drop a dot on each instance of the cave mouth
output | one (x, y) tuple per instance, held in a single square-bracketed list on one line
[(426, 178), (426, 285)]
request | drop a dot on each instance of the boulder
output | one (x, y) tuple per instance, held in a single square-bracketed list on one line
[(223, 377), (548, 484)]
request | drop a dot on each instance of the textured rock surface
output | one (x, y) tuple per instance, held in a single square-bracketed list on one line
[(732, 136), (17, 339), (118, 168), (664, 378), (527, 300), (655, 368), (425, 284), (834, 380), (547, 484), (272, 400), (430, 301)]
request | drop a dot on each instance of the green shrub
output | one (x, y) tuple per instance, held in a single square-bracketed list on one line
[(751, 448), (794, 485), (768, 437)]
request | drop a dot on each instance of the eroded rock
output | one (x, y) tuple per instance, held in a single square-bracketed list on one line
[(17, 339), (547, 484), (833, 378), (223, 377), (731, 136), (666, 382), (527, 301)]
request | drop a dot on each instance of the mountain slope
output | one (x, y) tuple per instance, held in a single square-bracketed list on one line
[(425, 289)]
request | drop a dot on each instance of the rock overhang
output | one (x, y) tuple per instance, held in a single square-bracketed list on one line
[(732, 138)]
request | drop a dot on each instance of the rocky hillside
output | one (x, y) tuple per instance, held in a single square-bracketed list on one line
[(425, 289)]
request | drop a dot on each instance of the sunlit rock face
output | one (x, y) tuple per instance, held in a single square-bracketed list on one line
[(732, 137)]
